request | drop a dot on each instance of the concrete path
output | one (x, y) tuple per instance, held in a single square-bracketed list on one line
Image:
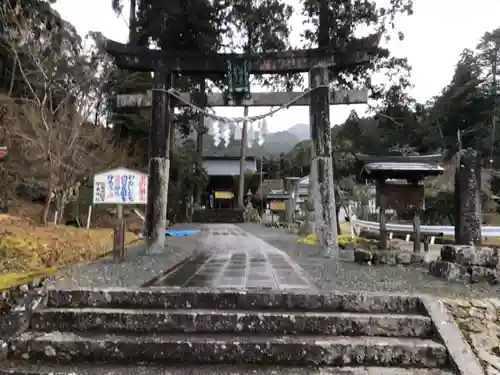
[(136, 269), (230, 257)]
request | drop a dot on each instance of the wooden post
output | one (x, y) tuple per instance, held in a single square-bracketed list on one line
[(416, 230), (241, 177), (89, 216), (199, 134), (292, 188), (159, 161), (417, 238), (261, 179), (324, 194), (296, 183), (382, 218), (119, 235), (384, 235), (311, 192), (456, 197), (289, 202)]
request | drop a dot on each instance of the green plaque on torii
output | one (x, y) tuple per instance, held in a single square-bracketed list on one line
[(238, 76)]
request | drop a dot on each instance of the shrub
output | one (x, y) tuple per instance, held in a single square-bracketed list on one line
[(343, 240)]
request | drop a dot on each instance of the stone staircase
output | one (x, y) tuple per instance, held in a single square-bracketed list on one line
[(161, 331), (221, 215)]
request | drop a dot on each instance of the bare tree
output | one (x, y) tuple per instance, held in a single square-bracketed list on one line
[(56, 123)]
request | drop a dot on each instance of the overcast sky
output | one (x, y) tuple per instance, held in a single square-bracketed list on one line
[(434, 37)]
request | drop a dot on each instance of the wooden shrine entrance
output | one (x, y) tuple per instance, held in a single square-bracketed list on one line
[(320, 63)]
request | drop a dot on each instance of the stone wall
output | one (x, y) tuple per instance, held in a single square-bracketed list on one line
[(478, 319), (16, 304), (467, 264), (388, 257)]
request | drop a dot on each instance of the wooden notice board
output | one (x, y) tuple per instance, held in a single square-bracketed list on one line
[(401, 197)]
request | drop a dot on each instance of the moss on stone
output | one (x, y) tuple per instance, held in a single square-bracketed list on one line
[(478, 322)]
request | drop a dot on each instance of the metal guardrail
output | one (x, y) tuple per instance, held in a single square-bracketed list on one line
[(486, 231)]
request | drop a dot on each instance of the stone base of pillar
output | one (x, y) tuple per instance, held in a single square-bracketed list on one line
[(469, 264)]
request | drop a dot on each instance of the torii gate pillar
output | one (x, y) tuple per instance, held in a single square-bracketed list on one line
[(159, 161), (324, 191)]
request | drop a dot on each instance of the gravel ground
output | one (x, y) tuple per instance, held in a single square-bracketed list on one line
[(134, 271), (349, 276), (137, 269)]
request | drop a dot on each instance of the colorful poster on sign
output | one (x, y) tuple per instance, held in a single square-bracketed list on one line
[(120, 186)]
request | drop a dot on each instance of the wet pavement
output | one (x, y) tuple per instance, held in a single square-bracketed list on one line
[(229, 257)]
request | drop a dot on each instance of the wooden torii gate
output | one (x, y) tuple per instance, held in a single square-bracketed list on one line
[(319, 62), (258, 99)]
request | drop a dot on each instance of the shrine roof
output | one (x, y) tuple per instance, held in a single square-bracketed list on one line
[(402, 167), (432, 159), (394, 166), (277, 196)]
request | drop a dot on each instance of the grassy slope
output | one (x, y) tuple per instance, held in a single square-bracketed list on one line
[(29, 250)]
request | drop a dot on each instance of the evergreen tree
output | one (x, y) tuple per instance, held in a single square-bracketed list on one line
[(331, 23)]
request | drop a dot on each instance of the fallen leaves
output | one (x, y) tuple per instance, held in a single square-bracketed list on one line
[(26, 246)]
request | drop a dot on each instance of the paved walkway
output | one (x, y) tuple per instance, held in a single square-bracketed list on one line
[(134, 271), (222, 255), (231, 257)]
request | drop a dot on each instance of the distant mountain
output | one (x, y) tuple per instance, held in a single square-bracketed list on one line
[(282, 141), (274, 144), (301, 131)]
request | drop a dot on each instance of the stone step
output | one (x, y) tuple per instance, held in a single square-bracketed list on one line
[(296, 350), (199, 298), (231, 321), (44, 369)]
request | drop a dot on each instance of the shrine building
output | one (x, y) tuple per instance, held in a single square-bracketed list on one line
[(223, 172)]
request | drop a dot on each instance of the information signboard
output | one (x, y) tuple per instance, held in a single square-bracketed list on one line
[(401, 197), (120, 186)]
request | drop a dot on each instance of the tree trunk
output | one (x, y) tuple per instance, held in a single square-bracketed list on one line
[(13, 78), (48, 200), (62, 207), (97, 109), (132, 31)]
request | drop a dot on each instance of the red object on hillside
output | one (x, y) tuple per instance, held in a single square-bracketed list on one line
[(3, 152)]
